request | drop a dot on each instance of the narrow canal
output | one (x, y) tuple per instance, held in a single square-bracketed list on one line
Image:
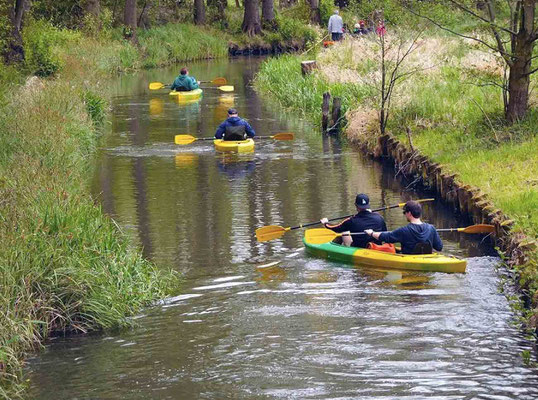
[(264, 320)]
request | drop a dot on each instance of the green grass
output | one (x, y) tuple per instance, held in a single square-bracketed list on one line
[(281, 78)]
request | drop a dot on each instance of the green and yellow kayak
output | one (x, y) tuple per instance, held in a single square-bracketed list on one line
[(234, 146), (187, 96), (379, 259)]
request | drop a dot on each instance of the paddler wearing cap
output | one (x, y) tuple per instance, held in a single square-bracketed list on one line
[(364, 219), (234, 128)]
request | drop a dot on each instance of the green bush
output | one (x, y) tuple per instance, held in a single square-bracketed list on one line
[(40, 39), (291, 28)]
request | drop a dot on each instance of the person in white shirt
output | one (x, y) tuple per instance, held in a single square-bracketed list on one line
[(335, 26)]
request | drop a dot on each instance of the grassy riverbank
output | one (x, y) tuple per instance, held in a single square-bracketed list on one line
[(454, 118)]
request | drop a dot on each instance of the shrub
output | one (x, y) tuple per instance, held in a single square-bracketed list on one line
[(40, 39)]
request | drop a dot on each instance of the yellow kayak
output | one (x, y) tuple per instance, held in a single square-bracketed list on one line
[(379, 259), (187, 96), (235, 146)]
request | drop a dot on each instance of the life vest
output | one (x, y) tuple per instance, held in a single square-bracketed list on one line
[(235, 132), (386, 247)]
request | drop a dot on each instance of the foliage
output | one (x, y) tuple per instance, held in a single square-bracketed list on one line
[(40, 39), (291, 28), (174, 43)]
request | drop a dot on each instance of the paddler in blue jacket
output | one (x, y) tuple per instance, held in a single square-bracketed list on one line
[(417, 237), (234, 128), (184, 82), (364, 219)]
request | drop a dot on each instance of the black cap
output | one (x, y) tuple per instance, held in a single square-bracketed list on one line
[(362, 200), (232, 111)]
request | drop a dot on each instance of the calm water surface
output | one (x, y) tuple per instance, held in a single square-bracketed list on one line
[(263, 320)]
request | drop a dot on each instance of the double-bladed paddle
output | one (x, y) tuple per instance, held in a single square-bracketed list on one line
[(271, 232), (188, 139), (160, 85), (323, 235)]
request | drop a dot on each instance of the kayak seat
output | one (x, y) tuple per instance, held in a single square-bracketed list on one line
[(423, 248), (385, 247)]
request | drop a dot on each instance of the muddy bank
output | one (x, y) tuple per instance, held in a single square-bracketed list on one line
[(258, 49)]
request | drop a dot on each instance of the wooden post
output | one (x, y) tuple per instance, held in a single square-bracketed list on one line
[(308, 66), (337, 105), (325, 111)]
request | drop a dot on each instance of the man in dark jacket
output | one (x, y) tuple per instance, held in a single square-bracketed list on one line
[(234, 128), (184, 82), (364, 219), (417, 237)]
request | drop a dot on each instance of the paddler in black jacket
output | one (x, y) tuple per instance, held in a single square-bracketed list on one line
[(364, 219)]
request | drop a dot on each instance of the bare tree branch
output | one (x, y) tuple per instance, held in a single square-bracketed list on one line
[(506, 56), (478, 16)]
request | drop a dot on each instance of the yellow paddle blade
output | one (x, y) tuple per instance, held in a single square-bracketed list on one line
[(284, 136), (226, 88), (156, 85), (184, 139), (320, 235), (270, 232), (219, 81), (479, 228)]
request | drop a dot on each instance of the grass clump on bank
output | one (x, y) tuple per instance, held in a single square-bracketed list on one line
[(281, 78)]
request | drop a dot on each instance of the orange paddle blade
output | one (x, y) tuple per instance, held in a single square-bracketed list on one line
[(284, 136), (270, 232), (219, 81)]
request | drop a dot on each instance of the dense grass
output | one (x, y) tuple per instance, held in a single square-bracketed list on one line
[(281, 78)]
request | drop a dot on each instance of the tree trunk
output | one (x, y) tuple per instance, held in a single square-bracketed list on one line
[(268, 14), (14, 52), (251, 21), (237, 4), (518, 82), (315, 12), (199, 12), (521, 66), (129, 20), (92, 7)]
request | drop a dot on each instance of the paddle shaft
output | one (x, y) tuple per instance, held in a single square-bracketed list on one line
[(347, 216)]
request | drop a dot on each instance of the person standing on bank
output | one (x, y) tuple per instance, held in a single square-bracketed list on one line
[(336, 26), (234, 128), (417, 237), (364, 219), (184, 82)]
